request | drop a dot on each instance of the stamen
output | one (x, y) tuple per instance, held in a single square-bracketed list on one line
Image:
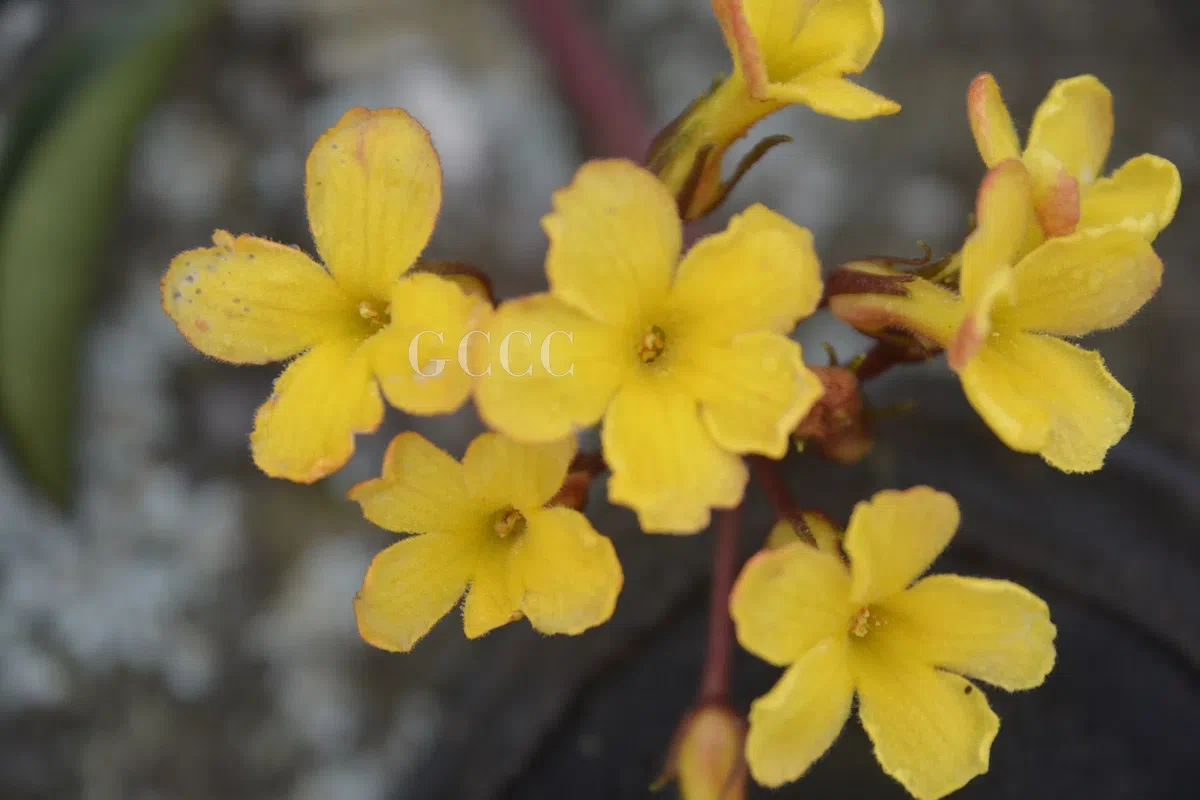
[(368, 312), (860, 623), (507, 522), (652, 345)]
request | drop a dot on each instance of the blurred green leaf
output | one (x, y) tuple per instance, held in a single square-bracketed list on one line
[(64, 169)]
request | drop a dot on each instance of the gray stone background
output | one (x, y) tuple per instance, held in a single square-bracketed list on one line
[(187, 632)]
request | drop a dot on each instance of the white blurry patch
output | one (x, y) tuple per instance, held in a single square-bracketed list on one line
[(531, 155), (417, 724), (192, 664), (324, 708), (20, 24), (185, 165), (30, 677), (112, 586), (363, 778), (375, 770), (313, 616), (277, 178)]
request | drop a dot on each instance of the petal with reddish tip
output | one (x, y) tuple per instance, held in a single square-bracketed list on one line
[(992, 126)]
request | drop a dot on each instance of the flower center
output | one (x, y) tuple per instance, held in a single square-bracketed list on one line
[(651, 345), (860, 623), (373, 314), (508, 522)]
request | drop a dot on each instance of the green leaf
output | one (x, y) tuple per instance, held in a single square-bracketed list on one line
[(68, 164)]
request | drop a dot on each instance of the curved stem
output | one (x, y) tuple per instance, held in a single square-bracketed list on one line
[(767, 472)]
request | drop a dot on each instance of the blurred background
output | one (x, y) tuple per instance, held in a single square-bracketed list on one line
[(175, 625)]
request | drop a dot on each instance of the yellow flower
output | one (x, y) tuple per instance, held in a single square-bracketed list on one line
[(903, 649), (1065, 153), (689, 367), (482, 524), (784, 52), (706, 757), (374, 189), (1039, 393)]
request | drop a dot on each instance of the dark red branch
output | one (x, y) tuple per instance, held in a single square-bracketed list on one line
[(714, 681), (605, 104)]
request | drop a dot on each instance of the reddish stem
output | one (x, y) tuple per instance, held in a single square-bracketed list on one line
[(767, 472), (589, 461), (885, 355), (714, 681), (608, 109)]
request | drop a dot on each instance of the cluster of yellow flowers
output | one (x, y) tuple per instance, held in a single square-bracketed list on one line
[(686, 359)]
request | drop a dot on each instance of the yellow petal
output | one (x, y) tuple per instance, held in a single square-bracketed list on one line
[(550, 370), (615, 238), (760, 273), (1055, 194), (418, 358), (409, 587), (306, 429), (775, 25), (493, 599), (250, 301), (421, 490), (665, 464), (894, 537), (742, 42), (1042, 395), (1094, 279), (568, 574), (838, 37), (793, 725), (992, 630), (787, 600), (753, 392), (1004, 212), (924, 308), (1143, 192), (991, 124), (932, 730), (1075, 123), (374, 188), (834, 97), (501, 472)]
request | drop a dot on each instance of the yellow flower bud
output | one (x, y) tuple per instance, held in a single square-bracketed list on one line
[(706, 758)]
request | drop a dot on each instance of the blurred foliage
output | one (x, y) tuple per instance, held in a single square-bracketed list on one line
[(61, 173)]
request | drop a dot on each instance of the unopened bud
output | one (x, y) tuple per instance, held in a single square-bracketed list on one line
[(707, 759), (837, 423)]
